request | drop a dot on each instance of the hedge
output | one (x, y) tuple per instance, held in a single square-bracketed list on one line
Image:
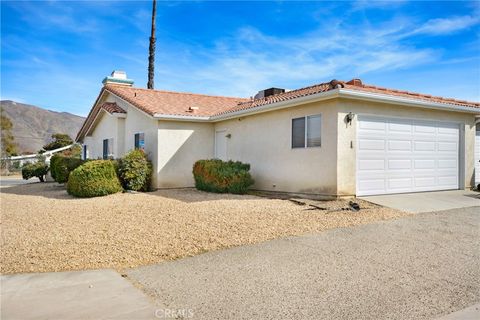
[(221, 176), (135, 171), (38, 169), (61, 166), (93, 179)]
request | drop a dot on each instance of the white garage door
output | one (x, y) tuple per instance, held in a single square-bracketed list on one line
[(406, 155)]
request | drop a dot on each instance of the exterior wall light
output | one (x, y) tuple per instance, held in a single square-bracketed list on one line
[(349, 118)]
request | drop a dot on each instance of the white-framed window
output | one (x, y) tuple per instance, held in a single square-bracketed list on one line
[(140, 140), (108, 148), (307, 131)]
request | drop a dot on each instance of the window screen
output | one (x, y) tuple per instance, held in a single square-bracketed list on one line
[(314, 130), (298, 133), (139, 141)]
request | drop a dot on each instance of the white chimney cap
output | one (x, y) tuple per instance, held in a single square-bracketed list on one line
[(119, 74), (118, 77)]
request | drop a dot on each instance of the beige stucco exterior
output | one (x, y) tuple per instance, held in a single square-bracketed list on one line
[(264, 141)]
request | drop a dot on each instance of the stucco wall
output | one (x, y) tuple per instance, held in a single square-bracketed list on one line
[(106, 127), (264, 141), (180, 144), (346, 166)]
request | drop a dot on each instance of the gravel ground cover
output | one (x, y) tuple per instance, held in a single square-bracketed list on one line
[(44, 229)]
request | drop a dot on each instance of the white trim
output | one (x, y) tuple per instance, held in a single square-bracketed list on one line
[(369, 96)]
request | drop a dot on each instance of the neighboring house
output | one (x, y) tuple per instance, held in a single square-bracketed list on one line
[(337, 138)]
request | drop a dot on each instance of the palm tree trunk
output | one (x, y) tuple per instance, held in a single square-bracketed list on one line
[(151, 50)]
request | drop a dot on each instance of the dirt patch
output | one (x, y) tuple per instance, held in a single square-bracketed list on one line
[(44, 229)]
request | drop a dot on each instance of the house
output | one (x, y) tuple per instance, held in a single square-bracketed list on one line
[(334, 139)]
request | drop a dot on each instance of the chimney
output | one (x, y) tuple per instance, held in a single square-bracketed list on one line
[(355, 82), (268, 92), (118, 77)]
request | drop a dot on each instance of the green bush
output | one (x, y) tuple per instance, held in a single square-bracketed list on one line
[(60, 167), (38, 169), (220, 176), (135, 171), (93, 179)]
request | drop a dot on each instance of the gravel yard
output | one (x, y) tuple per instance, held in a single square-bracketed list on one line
[(45, 229)]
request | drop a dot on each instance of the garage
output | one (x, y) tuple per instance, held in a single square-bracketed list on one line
[(397, 155)]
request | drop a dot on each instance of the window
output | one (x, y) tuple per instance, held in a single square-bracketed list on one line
[(307, 131), (108, 148), (140, 141), (85, 152)]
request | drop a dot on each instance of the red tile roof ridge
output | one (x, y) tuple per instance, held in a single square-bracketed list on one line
[(110, 85)]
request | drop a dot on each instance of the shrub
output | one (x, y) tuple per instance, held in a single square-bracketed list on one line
[(135, 171), (220, 176), (38, 169), (93, 179), (60, 167)]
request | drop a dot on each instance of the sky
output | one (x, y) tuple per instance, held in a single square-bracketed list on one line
[(55, 54)]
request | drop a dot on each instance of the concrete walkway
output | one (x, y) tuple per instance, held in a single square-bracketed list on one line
[(428, 201), (96, 294), (419, 267)]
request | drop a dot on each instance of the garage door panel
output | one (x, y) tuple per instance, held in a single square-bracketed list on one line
[(397, 184), (371, 144), (424, 146), (371, 164), (400, 127), (422, 182), (400, 145), (424, 163), (412, 155), (399, 164)]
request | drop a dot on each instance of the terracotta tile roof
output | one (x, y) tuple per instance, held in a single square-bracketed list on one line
[(355, 84), (173, 103), (112, 107)]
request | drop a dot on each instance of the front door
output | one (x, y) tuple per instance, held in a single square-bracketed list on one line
[(221, 145)]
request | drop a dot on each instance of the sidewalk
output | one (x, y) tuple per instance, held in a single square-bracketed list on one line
[(95, 294)]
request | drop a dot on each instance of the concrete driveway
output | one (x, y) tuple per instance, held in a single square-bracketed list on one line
[(418, 267), (428, 201)]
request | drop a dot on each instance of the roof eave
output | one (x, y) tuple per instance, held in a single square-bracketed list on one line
[(391, 99)]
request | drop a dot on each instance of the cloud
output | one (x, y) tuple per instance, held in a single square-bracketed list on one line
[(250, 60), (443, 26)]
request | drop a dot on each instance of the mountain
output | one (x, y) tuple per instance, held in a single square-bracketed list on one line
[(34, 126)]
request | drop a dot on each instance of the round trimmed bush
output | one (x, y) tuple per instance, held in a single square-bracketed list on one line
[(94, 179), (38, 169), (61, 166), (134, 171)]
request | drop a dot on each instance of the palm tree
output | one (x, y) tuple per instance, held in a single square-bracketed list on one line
[(151, 49)]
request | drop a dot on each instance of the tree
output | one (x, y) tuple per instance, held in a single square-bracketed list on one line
[(59, 140), (151, 49), (8, 146)]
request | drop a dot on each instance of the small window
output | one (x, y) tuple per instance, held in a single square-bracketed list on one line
[(140, 141), (298, 133), (307, 132), (85, 152), (108, 148)]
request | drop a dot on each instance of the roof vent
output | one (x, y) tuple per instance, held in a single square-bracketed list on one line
[(192, 109), (268, 92), (118, 77), (355, 82)]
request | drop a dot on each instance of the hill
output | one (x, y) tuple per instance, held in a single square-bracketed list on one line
[(34, 126)]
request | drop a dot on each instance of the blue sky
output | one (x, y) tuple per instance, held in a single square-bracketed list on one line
[(55, 53)]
